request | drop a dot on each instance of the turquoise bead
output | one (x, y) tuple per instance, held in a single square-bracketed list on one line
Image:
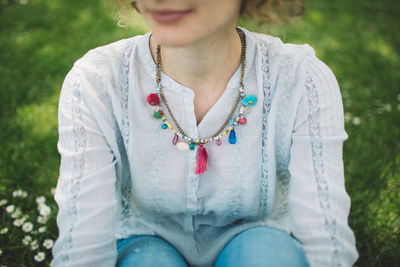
[(164, 126), (191, 145), (231, 121), (249, 100), (232, 137)]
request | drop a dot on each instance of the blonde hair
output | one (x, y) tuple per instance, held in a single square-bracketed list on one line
[(262, 11)]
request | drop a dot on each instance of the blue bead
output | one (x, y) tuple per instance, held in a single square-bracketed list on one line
[(232, 137), (249, 100), (191, 145), (164, 126), (231, 121)]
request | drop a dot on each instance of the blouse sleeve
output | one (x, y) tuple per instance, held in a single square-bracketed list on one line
[(319, 202), (85, 191)]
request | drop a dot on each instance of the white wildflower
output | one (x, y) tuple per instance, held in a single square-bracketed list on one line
[(42, 219), (3, 201), (40, 256), (26, 240), (27, 227), (34, 244), (48, 243), (44, 210), (10, 208), (42, 229), (16, 193), (40, 199), (356, 120), (16, 213), (19, 222), (20, 193), (4, 230)]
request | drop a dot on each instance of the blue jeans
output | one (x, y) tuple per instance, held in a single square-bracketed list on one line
[(257, 246)]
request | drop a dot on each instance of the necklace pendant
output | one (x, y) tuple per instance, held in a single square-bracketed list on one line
[(157, 115), (249, 100), (232, 137), (218, 142), (153, 99), (175, 140), (192, 146), (202, 157), (182, 146)]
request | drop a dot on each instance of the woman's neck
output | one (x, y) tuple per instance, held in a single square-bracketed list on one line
[(204, 66)]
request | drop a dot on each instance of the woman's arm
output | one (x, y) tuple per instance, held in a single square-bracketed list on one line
[(85, 191), (319, 202)]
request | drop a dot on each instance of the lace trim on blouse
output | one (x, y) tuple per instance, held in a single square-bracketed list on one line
[(126, 183), (78, 162), (264, 201), (124, 94), (283, 140), (319, 169)]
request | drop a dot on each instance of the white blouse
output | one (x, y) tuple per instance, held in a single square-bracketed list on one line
[(121, 175)]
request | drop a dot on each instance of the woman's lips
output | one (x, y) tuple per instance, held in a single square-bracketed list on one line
[(168, 16)]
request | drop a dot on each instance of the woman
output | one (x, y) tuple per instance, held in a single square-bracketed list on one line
[(201, 143)]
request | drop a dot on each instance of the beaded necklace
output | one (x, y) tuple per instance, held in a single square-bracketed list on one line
[(187, 142)]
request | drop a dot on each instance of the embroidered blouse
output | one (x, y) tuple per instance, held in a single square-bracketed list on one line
[(121, 175)]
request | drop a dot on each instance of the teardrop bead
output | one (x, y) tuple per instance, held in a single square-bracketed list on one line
[(242, 121), (232, 137), (182, 146), (175, 140)]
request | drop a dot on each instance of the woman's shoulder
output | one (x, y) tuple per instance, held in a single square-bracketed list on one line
[(98, 71), (280, 49), (289, 60), (107, 56)]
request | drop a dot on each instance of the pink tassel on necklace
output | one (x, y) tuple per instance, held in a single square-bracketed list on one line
[(202, 156)]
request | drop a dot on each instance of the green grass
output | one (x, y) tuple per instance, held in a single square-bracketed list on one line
[(358, 40)]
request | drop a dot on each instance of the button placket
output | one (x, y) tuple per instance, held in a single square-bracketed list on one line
[(191, 197)]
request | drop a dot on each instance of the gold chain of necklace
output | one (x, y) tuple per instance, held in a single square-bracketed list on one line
[(240, 94)]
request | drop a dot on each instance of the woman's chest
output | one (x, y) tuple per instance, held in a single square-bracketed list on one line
[(163, 177)]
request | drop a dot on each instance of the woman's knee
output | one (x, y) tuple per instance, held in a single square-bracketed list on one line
[(146, 250), (262, 246)]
